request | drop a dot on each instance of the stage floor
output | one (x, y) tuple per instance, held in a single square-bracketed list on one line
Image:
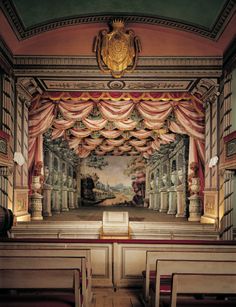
[(95, 214), (86, 223)]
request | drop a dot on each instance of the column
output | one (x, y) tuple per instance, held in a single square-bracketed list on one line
[(36, 205), (180, 195), (47, 193), (195, 204), (156, 191), (56, 208), (71, 201), (156, 200), (164, 195), (151, 199), (172, 194), (64, 193)]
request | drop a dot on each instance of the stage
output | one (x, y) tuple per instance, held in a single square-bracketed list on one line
[(86, 223)]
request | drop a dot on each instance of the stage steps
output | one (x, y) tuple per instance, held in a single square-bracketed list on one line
[(92, 230)]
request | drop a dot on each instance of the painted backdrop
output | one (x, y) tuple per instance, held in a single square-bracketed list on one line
[(112, 181)]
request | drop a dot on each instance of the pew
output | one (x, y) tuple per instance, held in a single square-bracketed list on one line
[(37, 272), (153, 256), (169, 267), (81, 256), (202, 284)]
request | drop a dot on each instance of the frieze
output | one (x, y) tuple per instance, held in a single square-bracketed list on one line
[(82, 85)]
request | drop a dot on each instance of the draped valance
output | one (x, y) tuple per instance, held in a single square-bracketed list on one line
[(116, 123)]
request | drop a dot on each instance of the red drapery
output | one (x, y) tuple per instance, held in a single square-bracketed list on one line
[(116, 108)]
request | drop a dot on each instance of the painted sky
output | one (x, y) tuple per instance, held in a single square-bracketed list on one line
[(113, 173)]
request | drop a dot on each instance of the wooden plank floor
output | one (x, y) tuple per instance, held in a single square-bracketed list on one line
[(121, 298), (95, 213)]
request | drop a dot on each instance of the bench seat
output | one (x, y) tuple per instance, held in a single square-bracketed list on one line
[(37, 300), (190, 301)]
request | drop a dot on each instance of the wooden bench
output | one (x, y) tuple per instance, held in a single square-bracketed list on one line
[(202, 284), (81, 256), (169, 267), (153, 256), (41, 273)]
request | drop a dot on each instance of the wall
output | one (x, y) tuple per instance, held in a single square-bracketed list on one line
[(233, 84), (7, 100), (20, 208)]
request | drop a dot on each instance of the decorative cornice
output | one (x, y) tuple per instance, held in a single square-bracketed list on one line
[(148, 67), (90, 61), (152, 73), (213, 33)]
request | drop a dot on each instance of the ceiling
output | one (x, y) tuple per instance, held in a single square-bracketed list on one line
[(206, 18), (201, 12)]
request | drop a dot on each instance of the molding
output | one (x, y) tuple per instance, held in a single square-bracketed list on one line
[(51, 84), (62, 73), (212, 33), (152, 73), (90, 61)]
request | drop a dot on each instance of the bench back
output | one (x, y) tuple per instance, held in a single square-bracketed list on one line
[(26, 272), (202, 283), (153, 256), (169, 267), (76, 259), (41, 273)]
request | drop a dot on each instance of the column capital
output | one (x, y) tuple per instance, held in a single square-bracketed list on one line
[(26, 89), (208, 90)]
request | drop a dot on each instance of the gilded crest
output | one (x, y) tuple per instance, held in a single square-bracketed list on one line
[(117, 51)]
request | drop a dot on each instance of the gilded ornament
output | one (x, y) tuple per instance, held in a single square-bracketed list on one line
[(117, 51)]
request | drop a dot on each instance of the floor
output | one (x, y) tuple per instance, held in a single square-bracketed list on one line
[(95, 214), (132, 298), (121, 298)]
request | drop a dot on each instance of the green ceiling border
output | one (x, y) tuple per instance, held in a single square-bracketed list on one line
[(24, 33)]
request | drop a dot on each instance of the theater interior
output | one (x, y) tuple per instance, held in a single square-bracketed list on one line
[(117, 153)]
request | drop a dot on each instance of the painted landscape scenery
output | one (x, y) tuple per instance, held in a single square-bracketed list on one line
[(112, 181)]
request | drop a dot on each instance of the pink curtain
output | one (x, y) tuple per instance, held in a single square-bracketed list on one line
[(110, 115)]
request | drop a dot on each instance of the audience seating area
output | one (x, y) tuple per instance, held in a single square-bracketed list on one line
[(169, 267), (47, 269), (175, 268), (202, 283), (153, 258)]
